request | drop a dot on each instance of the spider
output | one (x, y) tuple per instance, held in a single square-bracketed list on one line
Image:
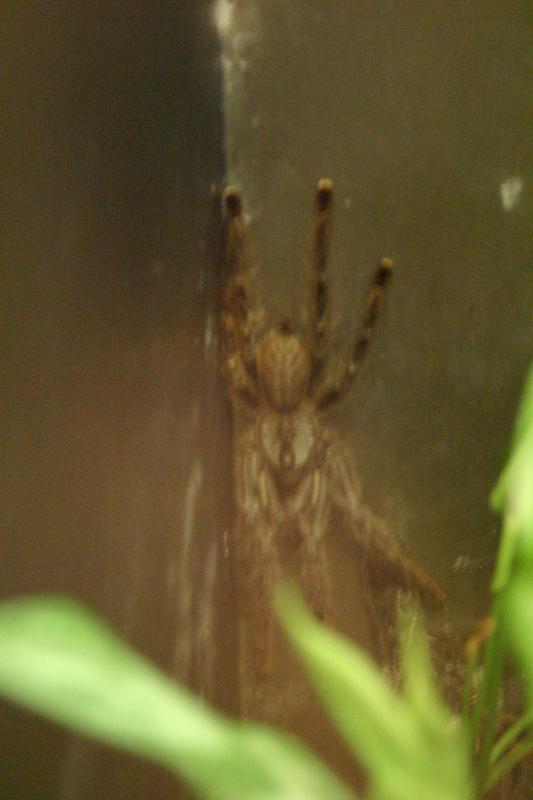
[(291, 471)]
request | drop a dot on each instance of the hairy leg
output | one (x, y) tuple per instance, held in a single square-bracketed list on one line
[(383, 553), (258, 573), (328, 393), (321, 241), (257, 557), (312, 512), (235, 323)]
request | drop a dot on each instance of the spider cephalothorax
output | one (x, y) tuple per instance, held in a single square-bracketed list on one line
[(291, 472), (283, 369)]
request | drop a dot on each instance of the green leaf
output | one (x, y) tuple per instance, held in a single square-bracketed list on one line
[(418, 681), (409, 748), (513, 495), (518, 616), (512, 588), (58, 659)]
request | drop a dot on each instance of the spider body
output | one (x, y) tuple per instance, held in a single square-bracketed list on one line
[(284, 370), (288, 443), (292, 473)]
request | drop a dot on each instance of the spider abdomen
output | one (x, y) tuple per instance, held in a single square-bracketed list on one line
[(288, 442)]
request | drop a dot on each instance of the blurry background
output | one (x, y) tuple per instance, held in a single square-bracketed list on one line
[(116, 432), (115, 479)]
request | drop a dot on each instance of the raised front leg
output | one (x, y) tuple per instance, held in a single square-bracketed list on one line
[(235, 323), (328, 393), (320, 300), (310, 508)]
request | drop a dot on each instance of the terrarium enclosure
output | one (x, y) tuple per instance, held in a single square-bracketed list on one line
[(121, 125)]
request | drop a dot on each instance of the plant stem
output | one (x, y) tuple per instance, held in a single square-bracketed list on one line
[(510, 735), (471, 665), (487, 706), (508, 762), (506, 556), (473, 648)]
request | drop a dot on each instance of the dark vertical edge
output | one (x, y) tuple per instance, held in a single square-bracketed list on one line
[(112, 139)]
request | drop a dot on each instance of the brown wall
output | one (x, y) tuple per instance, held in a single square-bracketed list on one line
[(115, 484)]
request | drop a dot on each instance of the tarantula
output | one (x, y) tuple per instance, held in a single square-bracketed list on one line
[(291, 472)]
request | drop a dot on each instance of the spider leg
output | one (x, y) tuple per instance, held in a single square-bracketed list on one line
[(321, 241), (311, 508), (259, 572), (327, 393), (381, 549), (235, 318), (258, 563)]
